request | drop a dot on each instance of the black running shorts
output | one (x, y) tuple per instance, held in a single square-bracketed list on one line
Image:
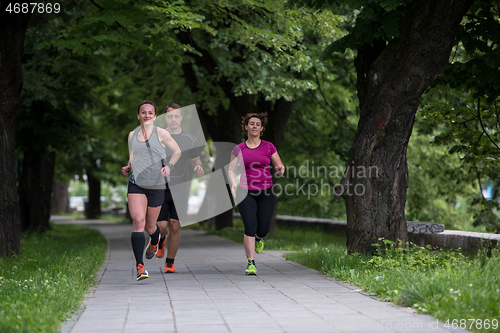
[(168, 210), (155, 197)]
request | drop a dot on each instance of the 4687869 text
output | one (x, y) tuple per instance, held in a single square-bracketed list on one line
[(471, 323), (33, 7)]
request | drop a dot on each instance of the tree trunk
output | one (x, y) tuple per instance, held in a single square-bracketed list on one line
[(93, 209), (35, 191), (60, 198), (274, 132), (13, 28), (391, 80)]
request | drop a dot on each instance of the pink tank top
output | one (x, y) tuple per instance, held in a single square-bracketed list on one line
[(257, 164)]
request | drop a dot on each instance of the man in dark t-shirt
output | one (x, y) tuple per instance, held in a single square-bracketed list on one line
[(169, 218)]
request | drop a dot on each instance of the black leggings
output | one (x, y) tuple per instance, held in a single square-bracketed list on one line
[(256, 211)]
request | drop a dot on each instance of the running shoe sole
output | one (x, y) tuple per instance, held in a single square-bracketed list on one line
[(142, 276)]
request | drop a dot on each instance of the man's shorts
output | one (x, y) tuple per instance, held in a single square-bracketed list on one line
[(155, 197), (176, 211)]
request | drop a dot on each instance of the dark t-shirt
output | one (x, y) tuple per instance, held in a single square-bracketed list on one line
[(187, 144)]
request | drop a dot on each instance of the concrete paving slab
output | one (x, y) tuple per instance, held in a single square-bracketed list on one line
[(211, 293)]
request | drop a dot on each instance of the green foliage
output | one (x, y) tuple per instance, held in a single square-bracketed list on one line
[(311, 151), (316, 143), (77, 189), (135, 25), (462, 116), (48, 118), (62, 109), (54, 271), (266, 49), (470, 114), (389, 255), (476, 59), (470, 131), (369, 21), (440, 188), (258, 46)]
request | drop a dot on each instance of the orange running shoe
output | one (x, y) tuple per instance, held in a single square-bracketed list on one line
[(142, 273), (169, 267), (161, 249), (151, 250)]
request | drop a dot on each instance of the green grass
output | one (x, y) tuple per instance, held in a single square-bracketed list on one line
[(48, 280), (444, 284), (290, 239)]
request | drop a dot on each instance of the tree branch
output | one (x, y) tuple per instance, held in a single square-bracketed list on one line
[(482, 126), (96, 5), (101, 8), (458, 122), (478, 139), (341, 116), (479, 181)]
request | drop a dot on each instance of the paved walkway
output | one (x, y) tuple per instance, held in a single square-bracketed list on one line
[(211, 293)]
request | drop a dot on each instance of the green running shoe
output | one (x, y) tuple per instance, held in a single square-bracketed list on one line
[(251, 269), (259, 245)]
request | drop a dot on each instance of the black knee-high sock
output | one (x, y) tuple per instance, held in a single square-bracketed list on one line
[(138, 244), (154, 236)]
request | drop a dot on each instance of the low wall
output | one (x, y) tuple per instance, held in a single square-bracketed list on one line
[(454, 239), (335, 227), (420, 233)]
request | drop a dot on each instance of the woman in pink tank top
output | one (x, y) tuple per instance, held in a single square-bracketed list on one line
[(255, 197)]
